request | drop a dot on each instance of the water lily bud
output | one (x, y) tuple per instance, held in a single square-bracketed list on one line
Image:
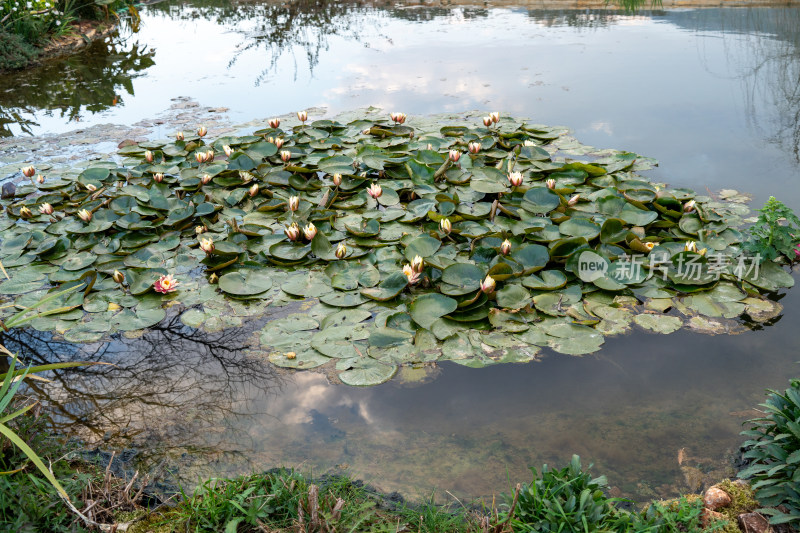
[(165, 284), (399, 118), (294, 203), (179, 136), (488, 285), (148, 156), (515, 178), (291, 355), (574, 199), (207, 245), (200, 157), (24, 212), (529, 143), (278, 142), (158, 177), (209, 155), (303, 116), (337, 179), (689, 206), (455, 155), (227, 149), (90, 187), (474, 147), (202, 130), (286, 155), (375, 190), (551, 183), (85, 215), (28, 172), (430, 146), (245, 176), (505, 247), (205, 179), (366, 131), (40, 178), (495, 116), (690, 246), (200, 229), (253, 190), (46, 209), (274, 123), (702, 251), (413, 277), (119, 277), (417, 263), (213, 278), (487, 121), (446, 225), (649, 245), (341, 251), (310, 231), (292, 231)]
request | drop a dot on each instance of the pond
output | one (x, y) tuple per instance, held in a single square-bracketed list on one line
[(710, 93)]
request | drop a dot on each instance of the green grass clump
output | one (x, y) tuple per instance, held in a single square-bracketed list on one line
[(674, 516)]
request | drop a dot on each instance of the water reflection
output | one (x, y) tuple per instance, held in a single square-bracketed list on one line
[(90, 82)]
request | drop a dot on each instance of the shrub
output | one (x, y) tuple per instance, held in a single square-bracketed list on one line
[(15, 53), (774, 452), (673, 516)]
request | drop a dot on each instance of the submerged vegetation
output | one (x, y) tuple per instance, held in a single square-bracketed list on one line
[(477, 243)]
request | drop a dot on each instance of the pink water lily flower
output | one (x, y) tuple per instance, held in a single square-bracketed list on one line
[(165, 284)]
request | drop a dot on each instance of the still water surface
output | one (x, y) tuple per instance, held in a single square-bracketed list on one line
[(713, 94)]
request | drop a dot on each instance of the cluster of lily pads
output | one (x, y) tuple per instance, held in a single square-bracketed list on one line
[(388, 244)]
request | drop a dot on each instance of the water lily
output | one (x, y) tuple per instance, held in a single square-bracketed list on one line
[(118, 276), (253, 190), (245, 176), (205, 179), (551, 183), (294, 203), (455, 155), (90, 187), (413, 277), (179, 136), (366, 131), (85, 215), (274, 123), (398, 118), (200, 157), (495, 116), (689, 206), (165, 284), (337, 179), (341, 251), (46, 209), (430, 146), (515, 178), (286, 155), (40, 178), (24, 212), (114, 306), (302, 116), (158, 177), (207, 245), (446, 225), (505, 247), (227, 149), (148, 156), (417, 263), (200, 229), (375, 190), (213, 278), (278, 142), (310, 231), (28, 171), (488, 285), (690, 246), (209, 155), (649, 245), (474, 147), (292, 231), (574, 199), (487, 121), (528, 143), (202, 130)]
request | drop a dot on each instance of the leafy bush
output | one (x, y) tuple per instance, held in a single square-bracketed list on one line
[(774, 450), (683, 514), (776, 233), (566, 500), (14, 51)]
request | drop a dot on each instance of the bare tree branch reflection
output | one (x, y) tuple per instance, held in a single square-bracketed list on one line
[(171, 390)]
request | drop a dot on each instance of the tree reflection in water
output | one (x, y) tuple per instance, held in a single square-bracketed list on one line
[(171, 390), (87, 82)]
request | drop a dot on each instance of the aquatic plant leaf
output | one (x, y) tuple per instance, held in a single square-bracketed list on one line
[(366, 376), (664, 324), (245, 282), (425, 309)]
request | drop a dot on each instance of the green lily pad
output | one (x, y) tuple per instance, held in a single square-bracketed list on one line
[(245, 282)]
